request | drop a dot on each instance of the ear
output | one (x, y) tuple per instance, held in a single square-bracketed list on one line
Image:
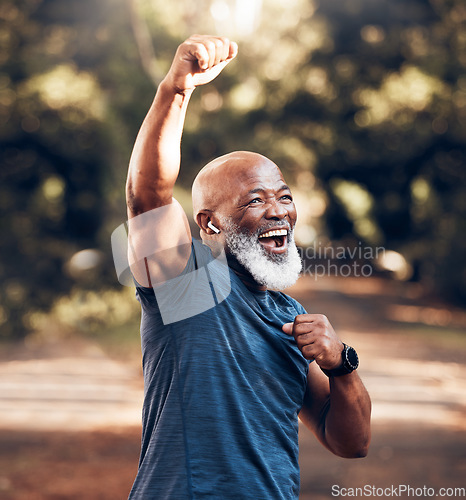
[(203, 219)]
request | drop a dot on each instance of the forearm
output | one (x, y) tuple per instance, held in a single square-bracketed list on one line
[(155, 160), (336, 409), (347, 422)]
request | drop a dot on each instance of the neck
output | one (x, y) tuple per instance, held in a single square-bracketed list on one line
[(244, 275)]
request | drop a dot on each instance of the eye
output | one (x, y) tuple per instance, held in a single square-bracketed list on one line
[(255, 201), (287, 197)]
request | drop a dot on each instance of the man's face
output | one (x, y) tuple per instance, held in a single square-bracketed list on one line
[(258, 225), (261, 205)]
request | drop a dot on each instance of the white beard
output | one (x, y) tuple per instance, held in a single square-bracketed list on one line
[(271, 270)]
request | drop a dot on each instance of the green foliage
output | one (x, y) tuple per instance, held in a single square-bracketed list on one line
[(367, 95), (363, 105), (53, 165)]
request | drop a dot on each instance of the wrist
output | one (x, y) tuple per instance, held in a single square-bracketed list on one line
[(349, 363), (169, 87)]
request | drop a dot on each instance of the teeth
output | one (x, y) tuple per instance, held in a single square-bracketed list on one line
[(277, 232)]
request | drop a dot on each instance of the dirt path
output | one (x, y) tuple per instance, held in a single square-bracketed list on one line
[(76, 389), (89, 391), (69, 415)]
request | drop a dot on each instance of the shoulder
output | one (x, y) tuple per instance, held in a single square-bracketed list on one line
[(204, 282), (198, 256)]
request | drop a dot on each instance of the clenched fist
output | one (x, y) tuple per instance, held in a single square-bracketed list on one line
[(316, 339), (199, 60)]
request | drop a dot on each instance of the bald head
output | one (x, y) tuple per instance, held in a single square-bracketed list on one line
[(222, 178)]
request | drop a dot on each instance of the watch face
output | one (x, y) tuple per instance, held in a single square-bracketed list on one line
[(352, 358)]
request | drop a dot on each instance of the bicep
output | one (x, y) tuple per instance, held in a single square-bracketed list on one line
[(159, 244), (316, 402)]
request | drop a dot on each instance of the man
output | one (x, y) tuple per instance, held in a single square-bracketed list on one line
[(229, 364)]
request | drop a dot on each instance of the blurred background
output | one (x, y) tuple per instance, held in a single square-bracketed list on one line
[(362, 103)]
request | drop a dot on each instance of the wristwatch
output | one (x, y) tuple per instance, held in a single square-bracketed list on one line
[(350, 362)]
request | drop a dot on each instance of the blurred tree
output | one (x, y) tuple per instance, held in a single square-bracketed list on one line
[(55, 153), (369, 99), (403, 137)]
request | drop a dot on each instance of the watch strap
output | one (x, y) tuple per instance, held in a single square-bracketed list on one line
[(346, 366)]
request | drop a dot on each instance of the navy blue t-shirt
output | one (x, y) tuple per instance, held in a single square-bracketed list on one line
[(223, 390)]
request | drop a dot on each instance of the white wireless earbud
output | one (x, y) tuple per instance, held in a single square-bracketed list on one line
[(214, 229)]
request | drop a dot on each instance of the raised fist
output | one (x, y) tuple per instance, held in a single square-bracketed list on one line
[(198, 60)]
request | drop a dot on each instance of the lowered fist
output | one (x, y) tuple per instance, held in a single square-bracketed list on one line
[(316, 339)]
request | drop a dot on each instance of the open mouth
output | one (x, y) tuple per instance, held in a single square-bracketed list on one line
[(274, 240)]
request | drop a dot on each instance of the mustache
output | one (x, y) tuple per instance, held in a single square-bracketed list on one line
[(232, 229), (275, 225), (266, 227)]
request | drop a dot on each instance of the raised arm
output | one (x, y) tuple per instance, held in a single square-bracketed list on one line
[(155, 161)]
